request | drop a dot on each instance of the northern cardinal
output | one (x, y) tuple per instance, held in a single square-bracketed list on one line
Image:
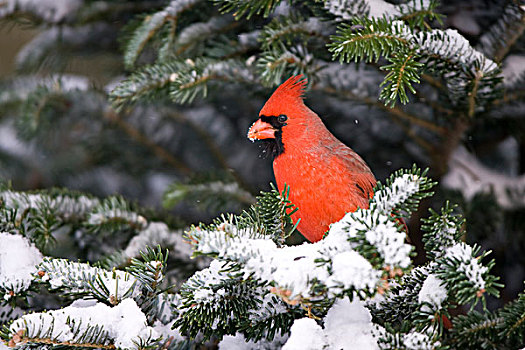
[(327, 179)]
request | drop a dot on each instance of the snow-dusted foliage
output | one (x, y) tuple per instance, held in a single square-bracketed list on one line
[(258, 290), (49, 10), (124, 325), (336, 262), (112, 286), (18, 262)]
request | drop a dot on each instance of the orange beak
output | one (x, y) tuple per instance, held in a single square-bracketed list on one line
[(261, 130)]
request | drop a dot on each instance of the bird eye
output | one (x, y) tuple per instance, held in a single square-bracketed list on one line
[(282, 118)]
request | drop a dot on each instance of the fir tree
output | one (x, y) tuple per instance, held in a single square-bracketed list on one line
[(90, 269)]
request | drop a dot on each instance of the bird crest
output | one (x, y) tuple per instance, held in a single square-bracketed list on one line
[(288, 93)]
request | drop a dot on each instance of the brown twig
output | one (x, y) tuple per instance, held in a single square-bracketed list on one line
[(472, 95), (136, 135), (395, 111), (212, 146), (515, 33)]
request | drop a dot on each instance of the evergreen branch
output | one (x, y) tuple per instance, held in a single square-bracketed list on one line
[(287, 30), (368, 39), (402, 191), (94, 324), (114, 212), (142, 35), (273, 65), (18, 341), (474, 330), (159, 151), (513, 322), (466, 278), (187, 84), (247, 8), (372, 233), (145, 83), (498, 40), (196, 33), (215, 195), (83, 279), (403, 71), (416, 13), (441, 230), (211, 296), (168, 41), (447, 51), (150, 26)]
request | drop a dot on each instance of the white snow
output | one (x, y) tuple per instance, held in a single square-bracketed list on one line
[(125, 323), (347, 326), (469, 265), (455, 47), (399, 191), (211, 276), (433, 292), (379, 8), (306, 334), (156, 233), (18, 260), (352, 270)]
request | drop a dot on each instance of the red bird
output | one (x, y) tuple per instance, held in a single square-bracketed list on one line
[(327, 179)]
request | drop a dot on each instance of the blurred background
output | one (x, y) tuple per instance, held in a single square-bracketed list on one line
[(59, 61)]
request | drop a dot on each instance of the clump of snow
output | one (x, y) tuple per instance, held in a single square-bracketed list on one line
[(398, 192), (18, 261), (306, 334), (156, 233), (380, 8), (209, 277), (347, 325), (351, 270), (455, 47), (468, 264), (379, 230), (433, 292), (125, 324)]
